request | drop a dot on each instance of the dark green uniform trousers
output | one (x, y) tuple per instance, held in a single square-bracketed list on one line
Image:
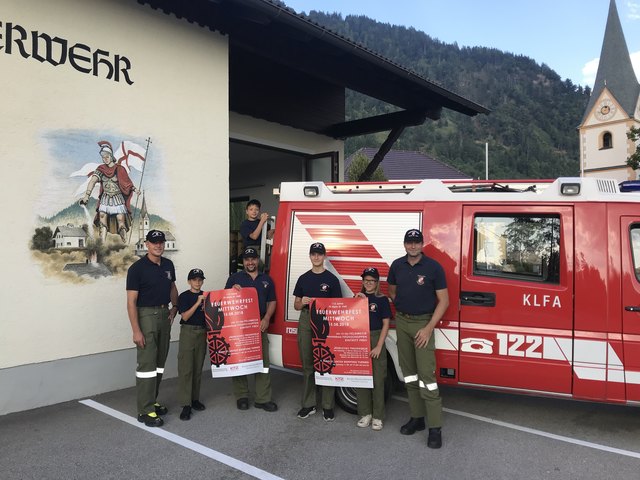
[(156, 328), (306, 357), (371, 400), (418, 368), (263, 380), (191, 351)]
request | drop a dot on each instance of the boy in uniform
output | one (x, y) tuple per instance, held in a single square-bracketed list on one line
[(315, 283), (251, 227), (192, 345)]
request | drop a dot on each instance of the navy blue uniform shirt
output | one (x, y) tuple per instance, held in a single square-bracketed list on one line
[(318, 285), (151, 281), (186, 300), (379, 309), (246, 228), (263, 285), (416, 285)]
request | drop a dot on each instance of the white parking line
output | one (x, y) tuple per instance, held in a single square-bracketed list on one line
[(183, 442), (533, 431)]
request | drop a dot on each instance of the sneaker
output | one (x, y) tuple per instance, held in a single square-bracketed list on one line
[(266, 406), (197, 406), (328, 415), (376, 424), (435, 438), (186, 413), (364, 421), (151, 419), (306, 412), (160, 409)]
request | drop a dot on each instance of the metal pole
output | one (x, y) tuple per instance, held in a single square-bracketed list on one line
[(144, 164), (486, 161)]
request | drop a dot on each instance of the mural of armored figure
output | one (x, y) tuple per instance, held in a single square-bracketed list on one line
[(116, 190)]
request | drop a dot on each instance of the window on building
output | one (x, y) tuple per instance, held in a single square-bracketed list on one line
[(524, 247), (607, 141)]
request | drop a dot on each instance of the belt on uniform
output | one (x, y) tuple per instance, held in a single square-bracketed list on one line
[(157, 307), (195, 327), (415, 315)]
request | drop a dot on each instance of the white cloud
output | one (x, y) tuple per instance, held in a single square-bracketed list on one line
[(589, 72), (590, 68), (634, 10)]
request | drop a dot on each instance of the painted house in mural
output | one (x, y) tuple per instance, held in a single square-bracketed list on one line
[(69, 236)]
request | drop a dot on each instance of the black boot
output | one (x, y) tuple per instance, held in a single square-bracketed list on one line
[(435, 438), (412, 426), (186, 413)]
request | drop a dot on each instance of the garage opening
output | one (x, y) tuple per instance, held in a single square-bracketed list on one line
[(256, 171)]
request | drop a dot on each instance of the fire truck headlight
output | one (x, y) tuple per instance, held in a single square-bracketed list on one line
[(311, 191), (570, 189)]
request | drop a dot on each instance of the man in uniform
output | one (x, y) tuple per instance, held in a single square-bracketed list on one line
[(150, 287), (251, 277), (418, 288)]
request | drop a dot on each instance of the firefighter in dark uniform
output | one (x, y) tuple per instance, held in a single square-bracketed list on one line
[(150, 287), (192, 344), (418, 287), (251, 277), (315, 283)]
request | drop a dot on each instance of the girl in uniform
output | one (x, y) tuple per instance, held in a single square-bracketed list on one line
[(371, 401)]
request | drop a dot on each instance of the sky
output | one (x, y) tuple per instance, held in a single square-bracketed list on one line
[(566, 35)]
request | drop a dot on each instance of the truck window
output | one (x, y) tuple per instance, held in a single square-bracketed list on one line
[(635, 246), (524, 247)]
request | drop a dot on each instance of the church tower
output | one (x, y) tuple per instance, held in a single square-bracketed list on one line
[(614, 107), (143, 226)]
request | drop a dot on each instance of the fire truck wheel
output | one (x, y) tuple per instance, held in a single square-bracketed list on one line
[(347, 400)]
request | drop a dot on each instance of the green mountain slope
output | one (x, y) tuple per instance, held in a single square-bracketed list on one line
[(531, 131)]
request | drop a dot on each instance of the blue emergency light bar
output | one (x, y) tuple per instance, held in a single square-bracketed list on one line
[(630, 186)]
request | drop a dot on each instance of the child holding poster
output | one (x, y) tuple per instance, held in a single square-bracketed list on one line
[(315, 283), (371, 402), (192, 345)]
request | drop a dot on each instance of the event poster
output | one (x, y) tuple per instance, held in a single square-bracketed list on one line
[(341, 342), (233, 332)]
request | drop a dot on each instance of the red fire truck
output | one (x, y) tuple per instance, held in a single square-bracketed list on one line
[(543, 278)]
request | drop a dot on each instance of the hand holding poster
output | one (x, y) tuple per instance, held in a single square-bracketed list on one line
[(233, 332), (340, 340)]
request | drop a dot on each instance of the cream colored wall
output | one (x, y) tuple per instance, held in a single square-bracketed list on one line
[(269, 176), (242, 127), (179, 97)]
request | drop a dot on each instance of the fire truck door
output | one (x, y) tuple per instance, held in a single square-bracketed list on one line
[(630, 276), (516, 297)]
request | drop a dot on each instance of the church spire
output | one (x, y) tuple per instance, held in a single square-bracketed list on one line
[(615, 70)]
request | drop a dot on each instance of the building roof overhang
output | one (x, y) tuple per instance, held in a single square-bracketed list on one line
[(282, 36)]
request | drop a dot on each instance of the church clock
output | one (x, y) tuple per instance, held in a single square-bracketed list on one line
[(605, 110)]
